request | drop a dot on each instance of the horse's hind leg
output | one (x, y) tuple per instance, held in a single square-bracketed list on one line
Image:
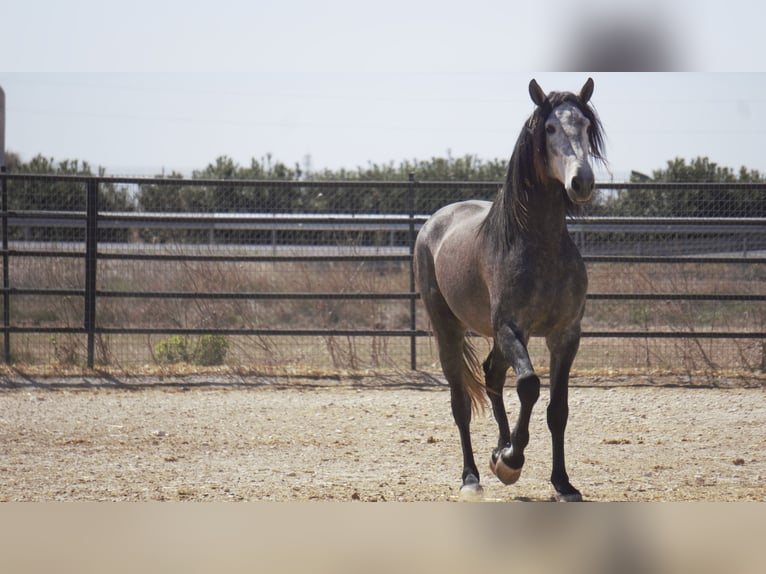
[(451, 355), (563, 349), (450, 341)]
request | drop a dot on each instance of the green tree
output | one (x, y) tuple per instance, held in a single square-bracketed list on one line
[(277, 191), (436, 169), (695, 201), (63, 195), (281, 189)]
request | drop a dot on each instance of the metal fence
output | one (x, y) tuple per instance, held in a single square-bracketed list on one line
[(302, 275)]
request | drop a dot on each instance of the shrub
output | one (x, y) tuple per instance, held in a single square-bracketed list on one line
[(209, 350), (174, 349)]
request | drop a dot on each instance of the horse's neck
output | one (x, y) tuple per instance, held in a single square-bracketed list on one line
[(545, 217), (528, 222)]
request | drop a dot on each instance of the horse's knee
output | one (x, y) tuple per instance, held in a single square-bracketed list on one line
[(528, 388)]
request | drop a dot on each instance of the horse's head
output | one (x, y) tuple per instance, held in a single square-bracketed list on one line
[(572, 136)]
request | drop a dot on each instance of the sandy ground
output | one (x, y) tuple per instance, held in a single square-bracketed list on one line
[(367, 438)]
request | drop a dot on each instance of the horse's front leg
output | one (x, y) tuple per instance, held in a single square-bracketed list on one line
[(508, 458), (495, 368), (563, 349)]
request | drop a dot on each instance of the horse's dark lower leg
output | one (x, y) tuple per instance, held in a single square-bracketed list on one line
[(451, 355), (495, 368), (508, 458), (528, 390), (558, 413), (563, 352), (461, 411)]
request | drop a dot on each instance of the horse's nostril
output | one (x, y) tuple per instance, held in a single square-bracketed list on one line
[(576, 184)]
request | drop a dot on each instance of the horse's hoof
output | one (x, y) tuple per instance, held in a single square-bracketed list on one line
[(503, 472), (571, 497), (472, 492)]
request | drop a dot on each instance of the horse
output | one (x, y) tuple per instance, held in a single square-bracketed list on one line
[(508, 270)]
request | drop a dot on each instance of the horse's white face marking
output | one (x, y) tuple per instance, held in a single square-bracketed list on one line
[(568, 151)]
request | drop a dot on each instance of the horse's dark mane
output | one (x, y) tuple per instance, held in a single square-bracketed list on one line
[(527, 168)]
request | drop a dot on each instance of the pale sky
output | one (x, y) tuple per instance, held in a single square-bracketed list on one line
[(138, 87)]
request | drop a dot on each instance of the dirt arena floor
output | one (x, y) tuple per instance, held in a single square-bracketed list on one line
[(249, 438)]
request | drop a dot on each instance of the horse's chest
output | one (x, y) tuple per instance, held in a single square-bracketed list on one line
[(545, 298)]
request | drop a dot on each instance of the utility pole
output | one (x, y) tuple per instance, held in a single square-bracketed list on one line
[(4, 238), (2, 129)]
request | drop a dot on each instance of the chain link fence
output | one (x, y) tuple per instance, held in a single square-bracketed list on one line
[(297, 276)]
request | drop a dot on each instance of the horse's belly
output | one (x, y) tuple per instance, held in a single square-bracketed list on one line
[(473, 310)]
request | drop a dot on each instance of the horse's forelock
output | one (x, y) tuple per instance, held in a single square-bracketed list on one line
[(596, 133)]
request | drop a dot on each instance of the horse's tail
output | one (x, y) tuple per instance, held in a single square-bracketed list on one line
[(473, 378)]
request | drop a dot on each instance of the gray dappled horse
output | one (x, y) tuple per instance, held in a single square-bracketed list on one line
[(508, 270)]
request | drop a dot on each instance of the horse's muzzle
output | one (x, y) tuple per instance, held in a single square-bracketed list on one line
[(580, 187)]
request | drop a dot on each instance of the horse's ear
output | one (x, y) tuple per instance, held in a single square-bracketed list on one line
[(536, 92), (587, 91)]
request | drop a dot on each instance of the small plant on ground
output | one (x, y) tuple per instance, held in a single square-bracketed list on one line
[(211, 350), (174, 349), (207, 351)]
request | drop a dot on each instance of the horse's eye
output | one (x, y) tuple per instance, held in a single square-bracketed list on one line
[(551, 129)]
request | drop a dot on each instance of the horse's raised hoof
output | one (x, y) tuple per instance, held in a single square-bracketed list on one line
[(502, 471), (471, 491)]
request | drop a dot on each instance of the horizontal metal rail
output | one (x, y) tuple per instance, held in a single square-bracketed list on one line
[(47, 253), (260, 258), (392, 296), (630, 259), (370, 332), (386, 221), (674, 334), (360, 183), (394, 258), (671, 259), (264, 332), (674, 297), (361, 296)]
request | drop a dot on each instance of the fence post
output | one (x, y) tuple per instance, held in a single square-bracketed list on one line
[(4, 206), (6, 273), (91, 248), (413, 307)]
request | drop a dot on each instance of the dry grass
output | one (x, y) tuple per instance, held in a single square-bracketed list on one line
[(333, 354)]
